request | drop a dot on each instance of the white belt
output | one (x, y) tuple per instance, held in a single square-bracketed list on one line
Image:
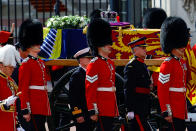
[(110, 89), (37, 87), (174, 89)]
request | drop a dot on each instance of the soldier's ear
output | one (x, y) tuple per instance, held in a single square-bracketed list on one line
[(133, 50)]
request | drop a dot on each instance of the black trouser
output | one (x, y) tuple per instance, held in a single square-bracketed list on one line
[(25, 125), (36, 120), (39, 122), (139, 124), (28, 126), (176, 125), (105, 123)]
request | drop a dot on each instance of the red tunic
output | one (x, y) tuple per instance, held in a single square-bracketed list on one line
[(172, 87), (194, 49), (32, 84), (100, 87), (7, 117)]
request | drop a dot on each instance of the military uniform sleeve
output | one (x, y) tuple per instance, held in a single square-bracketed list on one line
[(130, 85), (24, 78), (3, 106), (6, 108), (74, 93), (91, 84), (163, 88)]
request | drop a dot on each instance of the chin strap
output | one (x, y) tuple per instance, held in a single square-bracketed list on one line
[(180, 52)]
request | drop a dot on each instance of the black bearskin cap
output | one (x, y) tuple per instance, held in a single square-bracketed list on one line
[(174, 34), (99, 33), (153, 18), (30, 33), (95, 14)]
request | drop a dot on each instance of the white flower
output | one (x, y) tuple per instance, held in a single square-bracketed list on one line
[(82, 19), (49, 23), (51, 19), (55, 23), (67, 22), (62, 24)]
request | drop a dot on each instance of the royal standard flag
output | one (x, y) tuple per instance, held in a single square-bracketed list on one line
[(191, 74), (123, 36)]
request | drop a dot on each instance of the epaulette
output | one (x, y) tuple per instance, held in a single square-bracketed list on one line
[(168, 59), (131, 60), (129, 63), (94, 59), (25, 60)]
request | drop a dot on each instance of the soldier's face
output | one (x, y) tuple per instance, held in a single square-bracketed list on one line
[(34, 50), (140, 51), (179, 52), (8, 70), (107, 49), (23, 54), (84, 61)]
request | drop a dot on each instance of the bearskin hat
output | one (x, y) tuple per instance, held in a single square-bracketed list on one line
[(174, 34), (99, 33), (95, 14), (153, 18), (30, 33)]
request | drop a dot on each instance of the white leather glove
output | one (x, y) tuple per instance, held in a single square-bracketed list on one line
[(20, 129), (10, 100), (130, 115)]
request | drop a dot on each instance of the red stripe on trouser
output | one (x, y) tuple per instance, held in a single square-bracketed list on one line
[(122, 128), (101, 124), (34, 123), (139, 122), (173, 126)]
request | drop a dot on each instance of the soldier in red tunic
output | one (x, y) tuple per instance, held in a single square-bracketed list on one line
[(8, 88), (32, 76), (172, 77), (100, 76)]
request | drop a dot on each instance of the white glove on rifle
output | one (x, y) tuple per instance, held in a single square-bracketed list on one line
[(10, 100), (20, 129), (130, 115)]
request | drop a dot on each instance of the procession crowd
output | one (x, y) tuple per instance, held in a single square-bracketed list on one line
[(24, 103)]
